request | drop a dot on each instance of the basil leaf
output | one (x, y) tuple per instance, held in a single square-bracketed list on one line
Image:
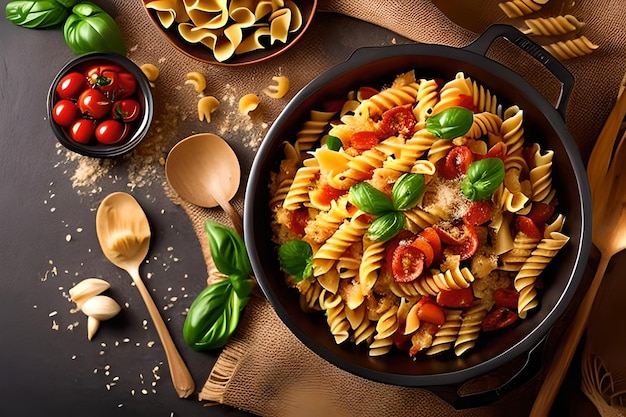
[(407, 191), (369, 199), (450, 123), (36, 14), (242, 285), (91, 29), (68, 3), (482, 179), (296, 258), (386, 226), (213, 316), (333, 143), (227, 249)]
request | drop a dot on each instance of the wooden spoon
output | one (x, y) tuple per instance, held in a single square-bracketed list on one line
[(124, 235), (204, 170), (607, 177)]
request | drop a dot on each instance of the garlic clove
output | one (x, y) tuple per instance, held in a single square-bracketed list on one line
[(86, 289), (101, 307), (92, 326)]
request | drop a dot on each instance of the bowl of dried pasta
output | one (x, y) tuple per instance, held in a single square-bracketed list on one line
[(231, 32), (419, 216)]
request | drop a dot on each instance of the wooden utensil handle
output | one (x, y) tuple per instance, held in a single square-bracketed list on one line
[(181, 377), (566, 349)]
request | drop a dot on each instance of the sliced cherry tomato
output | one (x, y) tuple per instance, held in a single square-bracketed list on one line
[(407, 263), (405, 237), (479, 212), (362, 141), (431, 236), (467, 102), (397, 121), (126, 110), (71, 85), (498, 150), (428, 310), (506, 297), (540, 213), (65, 112), (456, 162), (298, 220), (498, 318), (461, 237), (528, 227), (462, 298), (424, 246), (452, 233), (400, 340), (111, 131), (81, 130), (325, 193), (366, 92), (93, 103)]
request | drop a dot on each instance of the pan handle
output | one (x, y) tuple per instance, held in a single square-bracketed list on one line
[(481, 45), (530, 367)]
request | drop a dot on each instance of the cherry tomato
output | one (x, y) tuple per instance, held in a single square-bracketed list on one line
[(71, 85), (366, 92), (424, 247), (298, 220), (506, 297), (462, 298), (397, 121), (325, 193), (467, 102), (81, 130), (362, 141), (462, 237), (428, 311), (65, 112), (110, 131), (93, 103), (528, 227), (405, 237), (407, 263), (115, 82), (540, 213), (400, 340), (498, 150), (498, 318), (456, 162), (125, 110), (479, 212), (431, 236)]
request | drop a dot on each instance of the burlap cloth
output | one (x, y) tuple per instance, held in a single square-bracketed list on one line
[(264, 369)]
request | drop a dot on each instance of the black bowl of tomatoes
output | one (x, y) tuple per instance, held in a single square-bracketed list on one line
[(100, 105)]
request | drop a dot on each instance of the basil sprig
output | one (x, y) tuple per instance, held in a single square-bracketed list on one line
[(215, 313), (296, 258), (450, 123), (91, 29), (482, 179), (36, 14), (405, 194)]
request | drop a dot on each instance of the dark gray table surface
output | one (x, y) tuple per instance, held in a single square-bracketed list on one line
[(48, 243)]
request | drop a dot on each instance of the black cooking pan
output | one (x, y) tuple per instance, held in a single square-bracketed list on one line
[(544, 123)]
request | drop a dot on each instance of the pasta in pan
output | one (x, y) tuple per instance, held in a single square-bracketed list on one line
[(407, 249)]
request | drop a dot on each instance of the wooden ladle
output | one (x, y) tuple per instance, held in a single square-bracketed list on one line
[(124, 235), (204, 170), (607, 178)]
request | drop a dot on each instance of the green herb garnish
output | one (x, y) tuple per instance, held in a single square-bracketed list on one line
[(450, 123), (296, 258), (405, 194), (482, 179), (215, 313)]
